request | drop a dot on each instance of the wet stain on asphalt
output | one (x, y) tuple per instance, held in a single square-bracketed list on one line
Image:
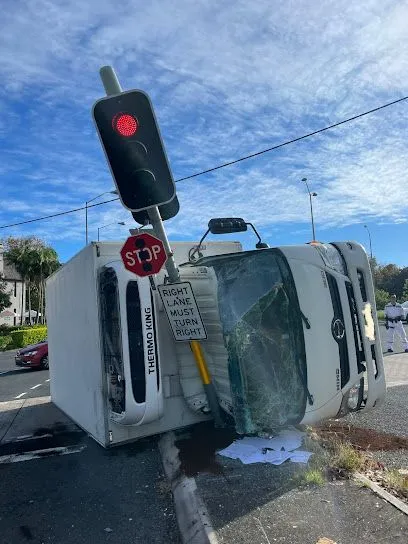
[(197, 453), (26, 532)]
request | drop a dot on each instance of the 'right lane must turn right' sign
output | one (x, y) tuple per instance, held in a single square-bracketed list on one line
[(182, 311)]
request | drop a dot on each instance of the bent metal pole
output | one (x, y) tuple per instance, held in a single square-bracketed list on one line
[(112, 86)]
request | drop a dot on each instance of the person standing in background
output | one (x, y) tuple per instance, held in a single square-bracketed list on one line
[(393, 323)]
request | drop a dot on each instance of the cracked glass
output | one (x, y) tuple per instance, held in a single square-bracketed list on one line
[(263, 334)]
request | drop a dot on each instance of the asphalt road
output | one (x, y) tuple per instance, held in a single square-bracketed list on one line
[(83, 493), (21, 383), (117, 496)]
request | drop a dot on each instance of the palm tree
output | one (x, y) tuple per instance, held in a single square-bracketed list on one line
[(35, 262), (47, 263), (17, 254)]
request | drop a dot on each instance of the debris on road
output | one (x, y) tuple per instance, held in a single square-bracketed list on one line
[(275, 450)]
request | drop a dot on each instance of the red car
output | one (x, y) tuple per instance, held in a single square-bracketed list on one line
[(34, 356)]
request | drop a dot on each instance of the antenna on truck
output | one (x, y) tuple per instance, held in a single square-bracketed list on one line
[(225, 225)]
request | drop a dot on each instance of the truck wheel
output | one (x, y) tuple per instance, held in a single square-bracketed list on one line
[(44, 363)]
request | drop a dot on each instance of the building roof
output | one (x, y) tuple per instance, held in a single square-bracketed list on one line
[(10, 273)]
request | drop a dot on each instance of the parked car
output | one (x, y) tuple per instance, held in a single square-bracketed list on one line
[(405, 310), (34, 356)]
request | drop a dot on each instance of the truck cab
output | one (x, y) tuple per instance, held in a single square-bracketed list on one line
[(293, 334)]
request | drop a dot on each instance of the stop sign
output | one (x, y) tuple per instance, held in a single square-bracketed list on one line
[(143, 254)]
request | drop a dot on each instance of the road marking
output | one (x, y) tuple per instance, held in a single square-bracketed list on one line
[(37, 454), (20, 395), (35, 386), (47, 380)]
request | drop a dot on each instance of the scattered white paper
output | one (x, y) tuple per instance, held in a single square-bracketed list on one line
[(287, 440), (274, 450), (236, 450), (256, 457), (300, 456), (276, 457), (256, 442)]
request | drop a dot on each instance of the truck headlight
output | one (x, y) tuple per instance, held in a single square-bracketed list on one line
[(355, 396)]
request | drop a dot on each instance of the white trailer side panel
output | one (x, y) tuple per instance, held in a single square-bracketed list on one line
[(76, 374)]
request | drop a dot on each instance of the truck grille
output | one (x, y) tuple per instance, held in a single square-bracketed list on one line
[(136, 349), (338, 329), (358, 339)]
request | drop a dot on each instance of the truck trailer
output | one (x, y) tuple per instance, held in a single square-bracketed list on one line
[(292, 338)]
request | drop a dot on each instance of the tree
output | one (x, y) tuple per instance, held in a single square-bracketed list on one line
[(34, 261), (46, 263), (381, 298), (405, 291), (5, 296), (387, 278)]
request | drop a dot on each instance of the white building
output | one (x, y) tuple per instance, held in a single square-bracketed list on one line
[(16, 287)]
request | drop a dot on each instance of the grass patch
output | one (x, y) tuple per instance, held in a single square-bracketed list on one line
[(345, 457), (314, 476), (397, 481)]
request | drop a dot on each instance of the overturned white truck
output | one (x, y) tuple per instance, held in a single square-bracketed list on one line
[(292, 337)]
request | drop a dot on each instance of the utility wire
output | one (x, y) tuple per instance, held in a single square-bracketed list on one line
[(225, 164), (58, 214), (294, 139)]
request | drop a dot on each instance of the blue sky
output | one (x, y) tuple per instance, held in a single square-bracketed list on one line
[(227, 79)]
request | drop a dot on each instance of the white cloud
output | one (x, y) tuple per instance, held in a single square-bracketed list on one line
[(226, 80)]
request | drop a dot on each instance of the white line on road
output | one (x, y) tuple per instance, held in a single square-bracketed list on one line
[(47, 380), (20, 395), (35, 386), (18, 457)]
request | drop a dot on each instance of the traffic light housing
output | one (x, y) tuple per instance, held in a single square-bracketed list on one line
[(130, 137), (167, 211)]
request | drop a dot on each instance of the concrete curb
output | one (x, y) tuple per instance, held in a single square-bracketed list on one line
[(402, 506), (192, 515)]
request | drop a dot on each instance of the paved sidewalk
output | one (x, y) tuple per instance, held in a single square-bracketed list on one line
[(343, 512), (263, 503)]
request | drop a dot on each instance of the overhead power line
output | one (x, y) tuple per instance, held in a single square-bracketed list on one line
[(294, 139), (225, 164)]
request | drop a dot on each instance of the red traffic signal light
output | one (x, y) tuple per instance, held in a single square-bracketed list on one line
[(130, 137), (125, 124)]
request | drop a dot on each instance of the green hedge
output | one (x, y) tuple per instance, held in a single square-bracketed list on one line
[(22, 338), (7, 329), (5, 342)]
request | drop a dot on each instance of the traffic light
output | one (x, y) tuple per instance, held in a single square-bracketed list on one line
[(167, 211), (130, 136)]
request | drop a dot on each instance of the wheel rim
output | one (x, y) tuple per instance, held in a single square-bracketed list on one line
[(45, 362)]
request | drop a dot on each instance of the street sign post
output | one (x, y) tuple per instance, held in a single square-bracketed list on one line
[(144, 254), (126, 124), (182, 311)]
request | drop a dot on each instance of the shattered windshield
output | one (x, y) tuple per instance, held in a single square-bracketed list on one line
[(263, 334)]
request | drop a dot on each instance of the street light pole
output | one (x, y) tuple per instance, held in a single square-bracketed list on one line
[(369, 237), (109, 224), (86, 210), (311, 194)]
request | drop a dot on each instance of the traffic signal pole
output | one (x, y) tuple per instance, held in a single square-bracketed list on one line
[(112, 86)]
